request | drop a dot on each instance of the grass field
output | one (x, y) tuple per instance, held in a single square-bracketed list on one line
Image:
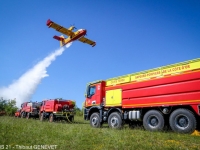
[(79, 135)]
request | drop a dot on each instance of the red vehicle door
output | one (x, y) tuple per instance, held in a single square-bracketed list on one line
[(95, 94)]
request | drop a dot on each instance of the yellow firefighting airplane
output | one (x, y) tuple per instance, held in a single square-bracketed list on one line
[(78, 35)]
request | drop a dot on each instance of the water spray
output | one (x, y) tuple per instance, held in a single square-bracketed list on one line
[(22, 89)]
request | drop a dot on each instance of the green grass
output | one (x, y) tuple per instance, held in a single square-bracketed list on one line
[(79, 135)]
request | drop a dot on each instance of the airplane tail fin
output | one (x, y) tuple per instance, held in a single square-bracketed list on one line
[(61, 39)]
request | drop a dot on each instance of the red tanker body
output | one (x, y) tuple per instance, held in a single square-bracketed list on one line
[(153, 97), (57, 108), (30, 109)]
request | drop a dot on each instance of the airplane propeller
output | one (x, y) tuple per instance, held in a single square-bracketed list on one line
[(74, 26)]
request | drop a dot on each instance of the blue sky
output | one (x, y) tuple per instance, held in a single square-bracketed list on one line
[(131, 36)]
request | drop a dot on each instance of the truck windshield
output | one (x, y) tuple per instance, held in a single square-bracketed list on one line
[(35, 104), (91, 91)]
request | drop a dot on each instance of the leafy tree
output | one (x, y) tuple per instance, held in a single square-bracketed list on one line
[(78, 111), (11, 107), (7, 107), (2, 104)]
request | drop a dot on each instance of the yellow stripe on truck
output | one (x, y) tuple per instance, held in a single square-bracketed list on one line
[(157, 72), (181, 67), (122, 79)]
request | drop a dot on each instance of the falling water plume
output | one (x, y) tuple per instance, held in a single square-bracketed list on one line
[(23, 88)]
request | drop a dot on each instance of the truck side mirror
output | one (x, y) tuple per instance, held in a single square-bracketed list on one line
[(87, 94)]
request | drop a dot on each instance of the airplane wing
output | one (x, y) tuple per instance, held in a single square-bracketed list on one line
[(59, 28), (88, 41)]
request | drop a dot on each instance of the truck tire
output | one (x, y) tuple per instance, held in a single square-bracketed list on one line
[(182, 121), (95, 120), (28, 116), (42, 117), (22, 114), (71, 119), (153, 121), (51, 118), (115, 120)]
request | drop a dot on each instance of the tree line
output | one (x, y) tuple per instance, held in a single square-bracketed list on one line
[(78, 111), (7, 107)]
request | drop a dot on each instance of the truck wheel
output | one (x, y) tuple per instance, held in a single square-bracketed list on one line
[(182, 121), (27, 115), (95, 120), (22, 114), (71, 119), (51, 118), (115, 120), (42, 117), (153, 121)]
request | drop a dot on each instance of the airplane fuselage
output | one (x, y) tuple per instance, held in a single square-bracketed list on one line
[(78, 34)]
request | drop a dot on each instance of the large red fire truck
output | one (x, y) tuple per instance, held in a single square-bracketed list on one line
[(59, 108), (155, 98), (30, 109)]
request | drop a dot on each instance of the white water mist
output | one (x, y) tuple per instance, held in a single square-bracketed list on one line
[(23, 88)]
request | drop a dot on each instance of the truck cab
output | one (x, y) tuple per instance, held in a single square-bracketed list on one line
[(95, 94), (94, 97), (30, 109)]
